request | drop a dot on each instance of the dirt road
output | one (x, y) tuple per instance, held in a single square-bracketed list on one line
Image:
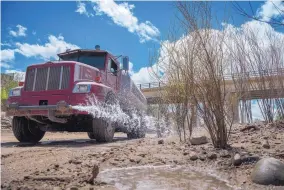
[(52, 154), (65, 160)]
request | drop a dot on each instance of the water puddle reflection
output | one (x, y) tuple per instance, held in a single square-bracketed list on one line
[(161, 177)]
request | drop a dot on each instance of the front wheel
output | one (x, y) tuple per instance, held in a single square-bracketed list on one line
[(26, 130), (103, 130)]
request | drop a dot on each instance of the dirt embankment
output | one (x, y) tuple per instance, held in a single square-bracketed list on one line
[(6, 121), (64, 163)]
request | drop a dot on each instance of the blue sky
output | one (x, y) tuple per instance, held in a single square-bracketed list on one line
[(33, 32), (86, 32), (77, 24)]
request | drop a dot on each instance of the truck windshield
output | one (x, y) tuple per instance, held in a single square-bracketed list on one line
[(95, 60)]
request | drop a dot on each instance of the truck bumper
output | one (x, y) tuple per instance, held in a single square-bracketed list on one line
[(62, 108)]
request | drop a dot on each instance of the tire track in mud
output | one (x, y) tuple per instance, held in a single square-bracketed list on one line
[(29, 164), (49, 165)]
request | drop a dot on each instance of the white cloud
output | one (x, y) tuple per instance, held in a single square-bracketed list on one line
[(34, 32), (271, 9), (260, 29), (143, 76), (11, 71), (5, 44), (5, 65), (7, 55), (46, 51), (81, 9), (122, 15), (21, 31), (131, 71)]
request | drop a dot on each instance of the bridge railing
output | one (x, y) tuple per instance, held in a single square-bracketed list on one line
[(268, 72), (151, 85)]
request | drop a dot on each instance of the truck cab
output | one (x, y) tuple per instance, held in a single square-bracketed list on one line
[(51, 90)]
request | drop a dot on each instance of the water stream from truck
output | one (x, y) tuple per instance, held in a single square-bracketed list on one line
[(130, 120)]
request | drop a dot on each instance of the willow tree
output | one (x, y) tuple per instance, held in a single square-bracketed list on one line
[(194, 70), (258, 61)]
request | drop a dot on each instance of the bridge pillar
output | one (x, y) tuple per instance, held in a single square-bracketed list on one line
[(234, 107), (235, 114), (194, 116)]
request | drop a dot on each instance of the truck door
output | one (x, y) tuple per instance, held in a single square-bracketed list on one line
[(112, 73)]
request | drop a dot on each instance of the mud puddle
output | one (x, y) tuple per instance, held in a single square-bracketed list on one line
[(161, 177)]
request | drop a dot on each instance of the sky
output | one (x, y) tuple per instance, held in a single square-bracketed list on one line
[(34, 32)]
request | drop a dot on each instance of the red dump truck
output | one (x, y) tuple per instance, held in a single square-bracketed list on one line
[(46, 100)]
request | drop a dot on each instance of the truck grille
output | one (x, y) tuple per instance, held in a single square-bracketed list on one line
[(48, 78)]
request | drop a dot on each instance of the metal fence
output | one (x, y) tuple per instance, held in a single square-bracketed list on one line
[(251, 74)]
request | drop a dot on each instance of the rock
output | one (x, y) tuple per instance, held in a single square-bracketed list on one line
[(73, 161), (136, 159), (212, 156), (185, 153), (95, 172), (243, 153), (249, 127), (198, 140), (117, 159), (255, 142), (193, 156), (219, 162), (202, 157), (225, 154), (142, 154), (237, 160), (265, 144), (249, 159), (98, 183), (281, 155), (161, 141), (268, 171)]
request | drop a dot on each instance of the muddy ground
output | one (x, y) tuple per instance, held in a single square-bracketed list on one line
[(65, 160)]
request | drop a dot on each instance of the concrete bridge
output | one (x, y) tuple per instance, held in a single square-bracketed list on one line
[(266, 84)]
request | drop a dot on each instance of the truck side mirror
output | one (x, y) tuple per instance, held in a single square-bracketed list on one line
[(125, 63)]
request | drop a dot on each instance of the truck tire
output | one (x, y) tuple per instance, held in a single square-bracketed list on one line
[(103, 130), (139, 131), (91, 135), (26, 130), (135, 134)]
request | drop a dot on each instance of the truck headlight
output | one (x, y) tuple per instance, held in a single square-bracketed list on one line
[(82, 88), (15, 92)]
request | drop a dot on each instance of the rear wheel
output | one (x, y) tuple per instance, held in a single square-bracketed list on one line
[(26, 130), (138, 130), (136, 134), (91, 135)]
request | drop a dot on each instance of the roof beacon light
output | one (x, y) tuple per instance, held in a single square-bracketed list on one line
[(97, 47)]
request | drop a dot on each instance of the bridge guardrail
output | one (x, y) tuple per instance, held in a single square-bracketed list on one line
[(268, 72)]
